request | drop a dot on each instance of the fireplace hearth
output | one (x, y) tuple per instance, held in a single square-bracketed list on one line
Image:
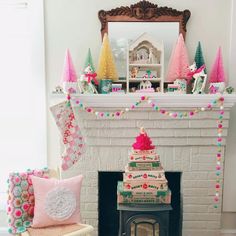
[(108, 214)]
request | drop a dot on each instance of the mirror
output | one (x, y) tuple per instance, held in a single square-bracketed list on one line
[(122, 34), (125, 24)]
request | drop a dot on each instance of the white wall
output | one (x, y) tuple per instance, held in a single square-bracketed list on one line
[(74, 24), (230, 163)]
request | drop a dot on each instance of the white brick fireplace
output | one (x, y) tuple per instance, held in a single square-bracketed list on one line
[(186, 145)]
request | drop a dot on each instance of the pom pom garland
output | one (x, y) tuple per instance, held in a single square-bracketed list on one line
[(177, 115)]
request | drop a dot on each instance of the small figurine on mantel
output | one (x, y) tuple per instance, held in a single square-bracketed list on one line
[(86, 79), (145, 86), (149, 75), (134, 72), (199, 77)]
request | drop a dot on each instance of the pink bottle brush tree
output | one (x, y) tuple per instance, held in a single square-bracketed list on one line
[(179, 62), (69, 77), (217, 77), (217, 73)]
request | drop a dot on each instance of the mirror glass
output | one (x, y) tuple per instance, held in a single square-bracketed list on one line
[(121, 34)]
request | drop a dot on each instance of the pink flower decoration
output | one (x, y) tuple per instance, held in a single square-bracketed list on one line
[(143, 142), (25, 206), (18, 213)]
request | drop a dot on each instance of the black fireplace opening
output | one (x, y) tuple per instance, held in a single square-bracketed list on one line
[(108, 215)]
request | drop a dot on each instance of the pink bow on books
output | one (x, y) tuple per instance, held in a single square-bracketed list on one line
[(91, 76)]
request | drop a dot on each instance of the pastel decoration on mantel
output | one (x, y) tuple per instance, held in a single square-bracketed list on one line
[(69, 77), (143, 142), (106, 63), (199, 58), (87, 81), (217, 75), (179, 62), (89, 61)]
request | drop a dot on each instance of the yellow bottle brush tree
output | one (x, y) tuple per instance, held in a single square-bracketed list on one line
[(106, 63)]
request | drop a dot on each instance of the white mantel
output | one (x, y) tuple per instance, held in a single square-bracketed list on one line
[(163, 99)]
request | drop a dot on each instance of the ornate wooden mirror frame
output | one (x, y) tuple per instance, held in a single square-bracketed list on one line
[(144, 11)]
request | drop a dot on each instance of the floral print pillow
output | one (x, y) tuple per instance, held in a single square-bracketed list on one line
[(20, 203)]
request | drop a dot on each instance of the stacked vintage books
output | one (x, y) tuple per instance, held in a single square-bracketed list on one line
[(144, 179)]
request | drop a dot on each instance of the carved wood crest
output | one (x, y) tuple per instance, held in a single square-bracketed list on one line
[(144, 11)]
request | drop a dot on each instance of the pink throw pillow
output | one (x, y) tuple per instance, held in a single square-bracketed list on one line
[(57, 202)]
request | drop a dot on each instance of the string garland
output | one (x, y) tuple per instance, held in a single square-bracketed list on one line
[(176, 114)]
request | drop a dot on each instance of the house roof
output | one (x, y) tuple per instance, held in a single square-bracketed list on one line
[(146, 37)]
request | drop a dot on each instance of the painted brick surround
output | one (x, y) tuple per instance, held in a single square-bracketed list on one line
[(187, 145)]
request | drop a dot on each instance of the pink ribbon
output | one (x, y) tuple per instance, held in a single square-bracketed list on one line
[(92, 76), (192, 73)]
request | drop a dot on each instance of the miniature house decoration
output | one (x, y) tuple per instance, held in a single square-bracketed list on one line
[(145, 54)]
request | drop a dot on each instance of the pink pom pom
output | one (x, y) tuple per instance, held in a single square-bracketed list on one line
[(191, 113), (219, 139), (68, 97), (89, 110), (216, 199), (117, 113), (218, 167), (162, 111), (174, 115), (153, 105), (209, 106), (143, 98), (218, 155), (221, 99), (101, 114), (217, 186), (77, 101), (132, 107), (222, 112), (220, 126)]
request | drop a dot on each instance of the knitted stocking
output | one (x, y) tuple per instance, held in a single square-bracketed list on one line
[(70, 132)]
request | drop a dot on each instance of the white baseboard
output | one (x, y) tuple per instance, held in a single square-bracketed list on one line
[(4, 231), (228, 231)]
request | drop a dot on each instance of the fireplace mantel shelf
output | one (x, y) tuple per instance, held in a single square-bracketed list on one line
[(164, 100)]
